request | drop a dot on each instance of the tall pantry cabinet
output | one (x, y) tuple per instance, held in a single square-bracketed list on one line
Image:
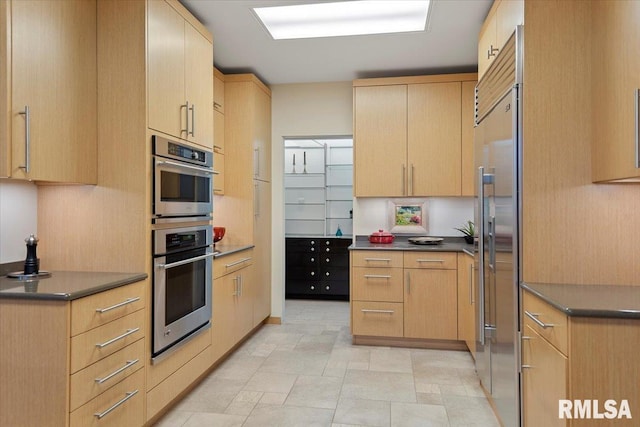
[(246, 207)]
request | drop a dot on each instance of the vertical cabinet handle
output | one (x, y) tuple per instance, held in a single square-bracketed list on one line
[(637, 102), (256, 162), (408, 283), (256, 201), (470, 283), (27, 138), (193, 120), (411, 180), (404, 180), (235, 291), (186, 109), (480, 210)]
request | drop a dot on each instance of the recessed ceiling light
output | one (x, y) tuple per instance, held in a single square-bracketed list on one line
[(345, 18)]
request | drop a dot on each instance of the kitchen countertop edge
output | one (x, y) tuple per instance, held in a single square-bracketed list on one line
[(583, 311), (449, 244), (70, 296)]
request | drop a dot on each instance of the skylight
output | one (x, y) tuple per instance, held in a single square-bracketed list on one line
[(346, 18)]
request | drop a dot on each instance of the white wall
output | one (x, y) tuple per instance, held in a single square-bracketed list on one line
[(18, 218), (310, 109), (444, 213)]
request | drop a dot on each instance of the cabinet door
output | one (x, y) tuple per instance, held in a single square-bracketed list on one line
[(616, 77), (430, 304), (218, 180), (218, 91), (544, 381), (166, 70), (468, 117), (246, 297), (466, 303), (487, 42), (262, 136), (54, 73), (434, 138), (510, 13), (262, 252), (225, 309), (380, 144), (199, 86), (218, 131)]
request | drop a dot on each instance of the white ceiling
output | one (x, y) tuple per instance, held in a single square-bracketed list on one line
[(241, 44)]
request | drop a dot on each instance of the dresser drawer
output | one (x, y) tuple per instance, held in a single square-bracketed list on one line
[(95, 379), (382, 319), (377, 284), (121, 405), (556, 322), (100, 342), (433, 260), (96, 310), (376, 258), (232, 262)]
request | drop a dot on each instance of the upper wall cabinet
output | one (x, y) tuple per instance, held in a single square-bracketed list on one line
[(501, 22), (409, 136), (615, 72), (48, 91), (180, 85)]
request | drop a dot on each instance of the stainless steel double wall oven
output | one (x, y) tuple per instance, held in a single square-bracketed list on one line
[(182, 255)]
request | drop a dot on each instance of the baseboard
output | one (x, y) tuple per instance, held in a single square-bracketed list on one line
[(410, 342), (273, 320)]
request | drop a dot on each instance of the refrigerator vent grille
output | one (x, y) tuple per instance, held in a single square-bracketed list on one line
[(499, 79)]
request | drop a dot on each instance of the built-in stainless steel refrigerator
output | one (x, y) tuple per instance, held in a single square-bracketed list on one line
[(498, 142)]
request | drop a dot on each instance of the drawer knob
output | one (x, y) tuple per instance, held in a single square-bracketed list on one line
[(327, 273), (328, 250), (327, 243), (327, 260), (313, 249), (313, 259), (313, 287), (313, 242), (327, 287), (313, 273)]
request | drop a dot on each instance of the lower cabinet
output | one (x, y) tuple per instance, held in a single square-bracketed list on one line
[(466, 302), (78, 363), (404, 294), (584, 360)]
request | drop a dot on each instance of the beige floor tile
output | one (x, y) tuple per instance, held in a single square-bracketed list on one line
[(427, 388), (441, 359), (206, 401), (214, 420), (454, 390), (273, 398), (418, 415), (322, 343), (271, 382), (440, 376), (390, 386), (391, 360), (240, 408), (429, 398), (315, 392), (248, 396), (469, 411), (295, 362), (239, 368), (291, 416), (363, 412), (174, 419), (334, 372)]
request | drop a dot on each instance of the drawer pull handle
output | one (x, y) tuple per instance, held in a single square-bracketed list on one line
[(376, 276), (365, 310), (534, 317), (237, 262), (527, 366), (117, 371), (378, 259), (113, 307), (119, 337), (128, 395), (429, 260)]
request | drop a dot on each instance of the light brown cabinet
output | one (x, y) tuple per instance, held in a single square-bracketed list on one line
[(412, 128), (48, 91), (180, 91), (218, 131), (404, 294), (262, 241), (500, 23), (468, 105), (466, 301), (218, 91), (90, 357), (615, 90)]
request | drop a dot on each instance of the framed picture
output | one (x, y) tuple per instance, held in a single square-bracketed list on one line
[(408, 217)]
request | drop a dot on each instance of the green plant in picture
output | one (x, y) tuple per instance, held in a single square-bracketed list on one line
[(469, 231)]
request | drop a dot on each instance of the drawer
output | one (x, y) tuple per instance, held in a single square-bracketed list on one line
[(232, 262), (335, 287), (556, 321), (96, 310), (298, 259), (334, 273), (382, 319), (302, 287), (377, 284), (335, 260), (121, 405), (376, 258), (98, 343), (433, 260), (302, 273), (95, 379)]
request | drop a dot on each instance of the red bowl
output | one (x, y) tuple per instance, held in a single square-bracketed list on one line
[(381, 236), (218, 233)]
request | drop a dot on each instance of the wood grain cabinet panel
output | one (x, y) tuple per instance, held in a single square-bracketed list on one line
[(199, 86), (616, 80), (500, 23), (430, 304), (376, 258), (383, 319), (430, 260), (50, 66), (377, 284), (466, 302), (467, 119)]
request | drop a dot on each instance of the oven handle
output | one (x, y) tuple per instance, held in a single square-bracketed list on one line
[(185, 261), (180, 165)]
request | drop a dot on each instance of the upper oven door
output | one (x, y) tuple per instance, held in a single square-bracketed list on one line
[(181, 189)]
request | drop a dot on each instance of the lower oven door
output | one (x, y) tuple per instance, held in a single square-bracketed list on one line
[(182, 301), (181, 189)]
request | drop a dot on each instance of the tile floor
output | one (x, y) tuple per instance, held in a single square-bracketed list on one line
[(305, 372)]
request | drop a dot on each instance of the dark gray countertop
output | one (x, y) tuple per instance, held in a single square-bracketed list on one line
[(66, 285), (590, 300), (223, 250), (400, 243)]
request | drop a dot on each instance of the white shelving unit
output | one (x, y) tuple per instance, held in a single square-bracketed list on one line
[(318, 188)]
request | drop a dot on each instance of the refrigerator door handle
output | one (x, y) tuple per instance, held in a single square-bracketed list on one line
[(480, 284)]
